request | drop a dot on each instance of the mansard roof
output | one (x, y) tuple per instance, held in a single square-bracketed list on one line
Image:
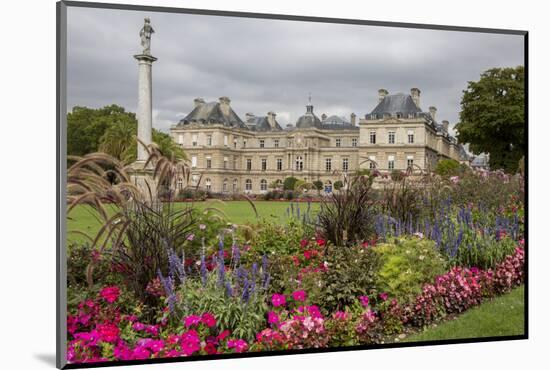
[(396, 103), (261, 123), (212, 113)]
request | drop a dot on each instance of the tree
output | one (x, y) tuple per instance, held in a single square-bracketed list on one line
[(492, 119), (447, 167), (318, 185), (338, 185), (112, 130), (289, 183)]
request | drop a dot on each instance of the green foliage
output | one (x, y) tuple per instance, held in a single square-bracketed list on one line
[(482, 251), (352, 272), (448, 167), (492, 119), (407, 263), (289, 183), (111, 130), (318, 185), (338, 185), (243, 319), (272, 238)]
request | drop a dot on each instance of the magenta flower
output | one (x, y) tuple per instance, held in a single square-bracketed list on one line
[(108, 332), (208, 319), (364, 300), (299, 295), (190, 342), (278, 300), (192, 320), (138, 326), (383, 296), (238, 344), (272, 317), (190, 237), (110, 294)]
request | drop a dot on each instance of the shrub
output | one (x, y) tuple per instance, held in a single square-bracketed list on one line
[(289, 183), (447, 167), (338, 185), (272, 238), (407, 263), (351, 272)]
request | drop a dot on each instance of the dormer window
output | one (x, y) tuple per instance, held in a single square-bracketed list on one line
[(262, 143), (338, 142)]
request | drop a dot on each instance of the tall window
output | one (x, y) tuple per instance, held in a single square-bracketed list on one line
[(248, 164), (234, 185), (262, 143), (279, 164), (263, 185), (372, 137), (180, 183), (208, 162), (299, 163), (338, 142), (235, 143), (248, 184), (244, 143), (235, 163), (354, 142), (264, 164), (276, 143), (224, 189), (372, 164), (194, 161), (209, 140), (410, 161), (225, 159), (391, 137), (345, 164), (194, 139), (391, 162), (180, 139), (225, 140), (410, 136), (208, 184), (328, 164)]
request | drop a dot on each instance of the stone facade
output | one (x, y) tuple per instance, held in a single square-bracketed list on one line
[(231, 155)]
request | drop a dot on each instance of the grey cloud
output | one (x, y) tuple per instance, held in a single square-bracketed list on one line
[(273, 64)]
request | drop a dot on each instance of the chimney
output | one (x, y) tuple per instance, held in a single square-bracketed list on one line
[(415, 95), (382, 94), (352, 119), (433, 111), (198, 102), (224, 105), (445, 125), (323, 117), (249, 117), (271, 119)]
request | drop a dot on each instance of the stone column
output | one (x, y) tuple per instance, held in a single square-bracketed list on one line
[(145, 104)]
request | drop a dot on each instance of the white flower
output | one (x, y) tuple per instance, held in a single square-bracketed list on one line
[(421, 257)]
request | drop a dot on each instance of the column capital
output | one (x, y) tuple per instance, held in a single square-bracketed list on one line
[(145, 58)]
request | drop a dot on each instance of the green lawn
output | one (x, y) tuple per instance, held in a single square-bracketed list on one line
[(502, 316), (239, 212)]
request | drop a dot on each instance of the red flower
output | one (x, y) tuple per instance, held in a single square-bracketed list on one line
[(110, 294), (304, 243), (321, 242), (208, 319), (108, 332)]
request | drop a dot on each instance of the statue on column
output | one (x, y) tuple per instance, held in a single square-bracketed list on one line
[(145, 35)]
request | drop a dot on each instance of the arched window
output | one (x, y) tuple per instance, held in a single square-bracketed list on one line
[(208, 184), (224, 185), (263, 185), (248, 185), (299, 163), (328, 186), (235, 185)]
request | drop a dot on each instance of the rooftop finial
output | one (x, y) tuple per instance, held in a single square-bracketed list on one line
[(309, 98)]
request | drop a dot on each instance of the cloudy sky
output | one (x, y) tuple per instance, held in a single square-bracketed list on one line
[(265, 65)]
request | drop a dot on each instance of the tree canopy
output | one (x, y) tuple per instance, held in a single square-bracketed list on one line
[(112, 130), (492, 119)]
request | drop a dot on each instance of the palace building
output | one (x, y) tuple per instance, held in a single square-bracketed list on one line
[(234, 155)]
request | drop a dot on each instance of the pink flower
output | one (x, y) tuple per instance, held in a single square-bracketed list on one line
[(224, 334), (208, 319), (272, 317), (110, 294), (299, 295), (238, 344), (364, 300), (383, 296), (190, 342), (454, 179), (304, 243), (202, 226), (192, 320), (340, 315), (108, 332), (138, 326), (278, 300), (190, 237)]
